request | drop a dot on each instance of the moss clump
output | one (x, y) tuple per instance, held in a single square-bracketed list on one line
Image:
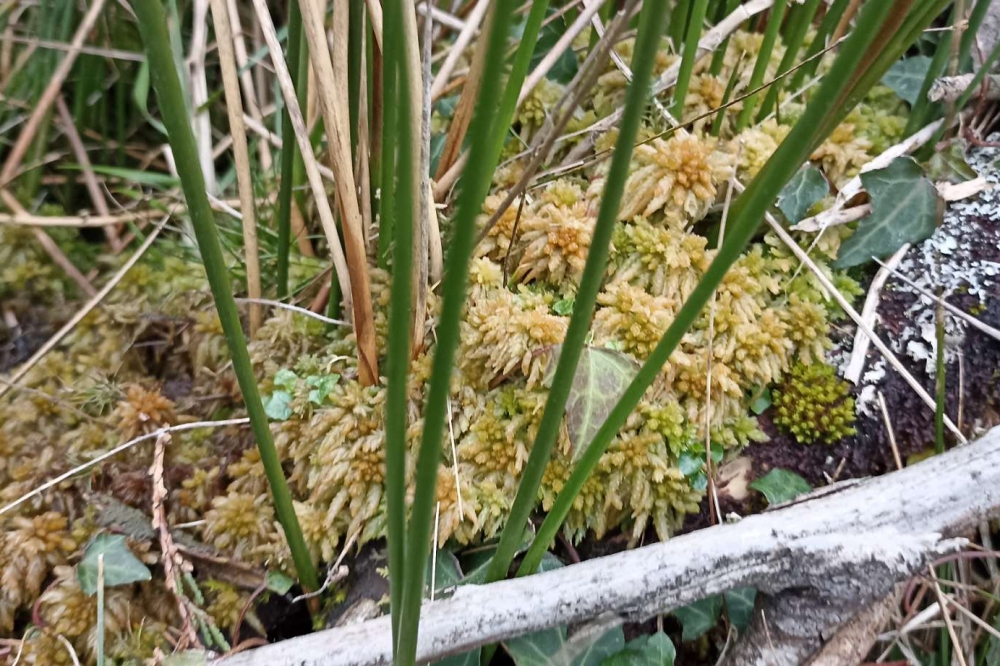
[(815, 405)]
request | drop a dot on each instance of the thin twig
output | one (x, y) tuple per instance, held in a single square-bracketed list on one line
[(294, 308), (115, 451), (889, 429)]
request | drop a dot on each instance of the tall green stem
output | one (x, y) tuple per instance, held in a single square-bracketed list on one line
[(152, 26), (689, 56), (763, 58), (825, 29), (798, 26), (475, 182), (651, 21), (288, 153)]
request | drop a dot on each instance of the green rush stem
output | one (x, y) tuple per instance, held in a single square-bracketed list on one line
[(763, 58), (478, 173), (966, 95), (923, 108), (393, 91), (720, 116), (822, 114), (651, 20), (719, 57), (152, 26), (969, 34), (825, 29), (798, 26), (518, 71), (288, 153), (690, 54), (678, 23)]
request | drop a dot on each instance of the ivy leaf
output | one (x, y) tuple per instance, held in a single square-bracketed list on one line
[(905, 209), (286, 379), (278, 582), (600, 379), (906, 77), (447, 571), (655, 650), (121, 567), (589, 646), (278, 406), (806, 187), (690, 463), (322, 386), (699, 617), (739, 606), (780, 485), (950, 165), (566, 65)]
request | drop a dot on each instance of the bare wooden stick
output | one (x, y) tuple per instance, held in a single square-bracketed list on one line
[(241, 153), (48, 96), (864, 528), (331, 85)]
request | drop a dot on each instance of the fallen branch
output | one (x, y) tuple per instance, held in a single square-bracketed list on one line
[(857, 541)]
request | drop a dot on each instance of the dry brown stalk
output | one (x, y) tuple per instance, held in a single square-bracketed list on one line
[(331, 85), (241, 153), (48, 96)]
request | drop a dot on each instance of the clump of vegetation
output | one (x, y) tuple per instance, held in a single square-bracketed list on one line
[(815, 405)]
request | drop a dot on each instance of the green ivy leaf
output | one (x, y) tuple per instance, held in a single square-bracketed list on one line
[(690, 463), (905, 209), (739, 606), (950, 165), (655, 650), (906, 77), (806, 187), (699, 617), (286, 379), (447, 571), (277, 406), (121, 567), (278, 582), (600, 379), (589, 646), (566, 66), (780, 485)]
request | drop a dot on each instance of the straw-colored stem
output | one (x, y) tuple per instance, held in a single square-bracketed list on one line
[(241, 154), (331, 79)]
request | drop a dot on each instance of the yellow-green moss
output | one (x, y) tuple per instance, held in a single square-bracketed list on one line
[(815, 405)]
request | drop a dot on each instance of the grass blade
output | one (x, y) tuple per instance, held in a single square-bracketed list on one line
[(651, 22), (763, 58), (152, 25), (690, 55)]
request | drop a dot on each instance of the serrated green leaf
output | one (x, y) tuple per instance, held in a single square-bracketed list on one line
[(906, 77), (739, 606), (589, 646), (278, 582), (121, 567), (802, 192), (564, 307), (699, 617), (655, 650), (277, 406), (286, 379), (780, 485), (905, 209), (600, 379)]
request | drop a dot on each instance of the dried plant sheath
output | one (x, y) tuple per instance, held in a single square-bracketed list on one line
[(234, 107), (331, 84), (152, 25)]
